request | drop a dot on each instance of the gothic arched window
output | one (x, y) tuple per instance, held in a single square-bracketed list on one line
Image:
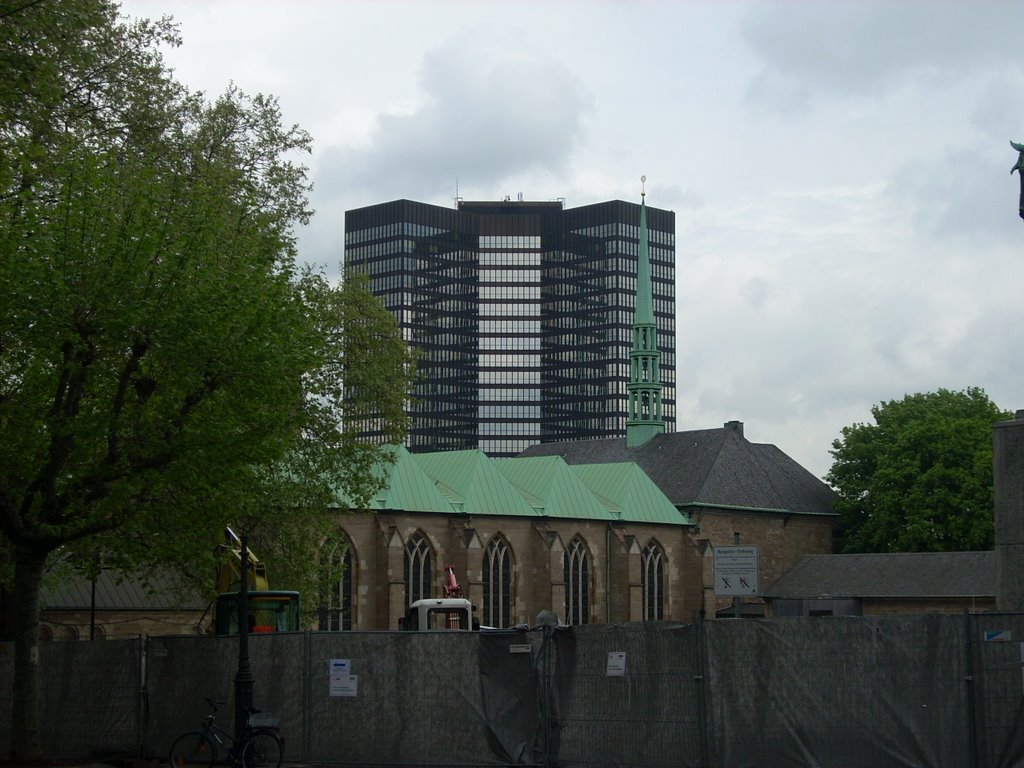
[(653, 565), (576, 568), (336, 588), (497, 580), (417, 568)]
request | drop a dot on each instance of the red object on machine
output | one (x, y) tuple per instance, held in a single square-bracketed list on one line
[(452, 588), (451, 584)]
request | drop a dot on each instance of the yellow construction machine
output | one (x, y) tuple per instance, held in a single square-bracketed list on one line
[(270, 610)]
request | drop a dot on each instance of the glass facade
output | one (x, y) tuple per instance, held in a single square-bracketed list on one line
[(521, 312)]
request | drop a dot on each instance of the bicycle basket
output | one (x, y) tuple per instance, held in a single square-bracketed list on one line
[(264, 720)]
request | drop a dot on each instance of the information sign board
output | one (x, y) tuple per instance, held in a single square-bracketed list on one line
[(735, 571)]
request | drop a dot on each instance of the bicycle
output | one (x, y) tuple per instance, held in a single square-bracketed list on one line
[(259, 747)]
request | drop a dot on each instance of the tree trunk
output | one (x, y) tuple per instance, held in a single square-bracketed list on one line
[(28, 573)]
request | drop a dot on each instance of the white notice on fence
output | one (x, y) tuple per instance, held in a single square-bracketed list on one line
[(616, 664), (342, 681), (344, 685)]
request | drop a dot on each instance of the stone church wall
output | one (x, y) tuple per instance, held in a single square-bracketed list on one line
[(537, 546)]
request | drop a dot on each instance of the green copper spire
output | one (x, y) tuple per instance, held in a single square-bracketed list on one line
[(644, 419), (644, 312)]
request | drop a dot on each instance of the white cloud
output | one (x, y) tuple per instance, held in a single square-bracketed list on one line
[(812, 51), (486, 115), (846, 222)]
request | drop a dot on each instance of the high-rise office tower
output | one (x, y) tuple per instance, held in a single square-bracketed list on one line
[(523, 314)]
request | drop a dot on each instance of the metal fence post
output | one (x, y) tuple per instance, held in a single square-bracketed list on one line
[(307, 675), (972, 721), (142, 709), (546, 708), (700, 639)]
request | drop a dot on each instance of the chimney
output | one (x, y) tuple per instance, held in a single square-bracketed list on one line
[(1008, 473), (735, 426)]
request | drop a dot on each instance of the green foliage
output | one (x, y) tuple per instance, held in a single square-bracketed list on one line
[(920, 478), (166, 368)]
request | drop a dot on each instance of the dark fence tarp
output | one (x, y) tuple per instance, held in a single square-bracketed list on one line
[(855, 691), (840, 691), (510, 696), (90, 698), (628, 695), (424, 699), (995, 647), (181, 672), (6, 700)]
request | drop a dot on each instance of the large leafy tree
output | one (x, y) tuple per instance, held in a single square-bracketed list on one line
[(920, 478), (166, 368)]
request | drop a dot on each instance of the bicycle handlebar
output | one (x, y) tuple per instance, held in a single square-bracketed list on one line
[(215, 702)]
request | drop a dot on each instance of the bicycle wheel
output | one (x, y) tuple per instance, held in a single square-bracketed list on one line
[(193, 749), (264, 749)]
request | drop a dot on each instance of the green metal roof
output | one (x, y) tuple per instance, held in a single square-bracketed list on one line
[(628, 492), (557, 489), (471, 483), (409, 487), (644, 312)]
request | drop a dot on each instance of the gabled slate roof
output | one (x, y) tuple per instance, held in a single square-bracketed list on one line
[(471, 483), (73, 591), (893, 575), (709, 467)]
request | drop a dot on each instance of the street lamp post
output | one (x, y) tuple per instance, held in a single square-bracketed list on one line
[(243, 677)]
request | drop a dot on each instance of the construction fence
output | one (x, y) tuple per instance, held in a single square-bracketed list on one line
[(923, 690)]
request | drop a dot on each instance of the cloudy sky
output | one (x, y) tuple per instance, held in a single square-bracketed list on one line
[(846, 223)]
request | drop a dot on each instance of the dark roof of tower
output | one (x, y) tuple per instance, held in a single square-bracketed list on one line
[(709, 467)]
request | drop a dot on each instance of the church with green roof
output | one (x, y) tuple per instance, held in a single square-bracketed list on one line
[(606, 530), (591, 542)]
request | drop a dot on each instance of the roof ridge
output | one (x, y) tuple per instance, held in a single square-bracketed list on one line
[(721, 433)]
